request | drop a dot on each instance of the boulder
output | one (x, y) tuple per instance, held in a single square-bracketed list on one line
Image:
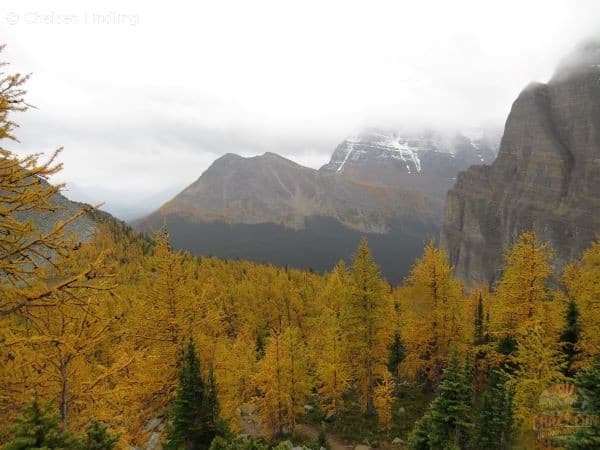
[(153, 442), (153, 423)]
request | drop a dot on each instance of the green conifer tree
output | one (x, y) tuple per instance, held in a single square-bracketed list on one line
[(39, 428), (98, 437), (447, 424), (479, 322), (397, 354), (588, 384), (214, 425), (569, 338), (194, 412), (493, 418), (419, 438)]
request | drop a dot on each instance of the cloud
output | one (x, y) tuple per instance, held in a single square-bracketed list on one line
[(144, 97)]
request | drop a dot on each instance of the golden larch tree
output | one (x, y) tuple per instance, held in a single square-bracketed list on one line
[(384, 401), (369, 318), (435, 316), (522, 290), (329, 343), (283, 381), (538, 367), (582, 280)]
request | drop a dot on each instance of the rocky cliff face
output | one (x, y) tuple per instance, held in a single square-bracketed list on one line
[(83, 228), (424, 161), (546, 176)]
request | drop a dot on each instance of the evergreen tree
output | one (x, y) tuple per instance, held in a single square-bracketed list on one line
[(479, 322), (193, 414), (569, 338), (588, 383), (98, 437), (321, 441), (397, 353), (447, 424), (214, 425), (39, 428), (419, 438), (245, 442), (493, 419), (260, 345)]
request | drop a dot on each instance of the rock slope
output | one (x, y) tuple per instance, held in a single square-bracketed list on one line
[(546, 176), (422, 161), (271, 210), (273, 189)]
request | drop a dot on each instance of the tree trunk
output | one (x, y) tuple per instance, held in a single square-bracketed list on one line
[(63, 395)]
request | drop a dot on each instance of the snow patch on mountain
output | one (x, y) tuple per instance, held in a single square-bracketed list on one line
[(348, 152), (474, 145)]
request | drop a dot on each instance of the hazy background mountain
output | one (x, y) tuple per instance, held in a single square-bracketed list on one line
[(384, 184), (292, 80), (127, 206)]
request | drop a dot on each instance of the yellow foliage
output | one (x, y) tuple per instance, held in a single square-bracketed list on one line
[(330, 344), (283, 380), (522, 290), (369, 324), (435, 316), (583, 284), (384, 401), (98, 327), (537, 363)]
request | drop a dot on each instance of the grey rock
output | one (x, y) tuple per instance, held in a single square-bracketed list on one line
[(153, 423), (153, 442), (273, 189), (546, 177), (424, 160), (308, 408), (397, 441)]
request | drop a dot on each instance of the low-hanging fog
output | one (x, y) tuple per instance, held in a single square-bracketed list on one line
[(145, 96)]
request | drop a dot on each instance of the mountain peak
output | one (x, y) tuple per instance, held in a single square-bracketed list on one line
[(544, 179), (229, 159), (423, 160)]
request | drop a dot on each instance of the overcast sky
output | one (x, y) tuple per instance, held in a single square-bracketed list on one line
[(144, 97)]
